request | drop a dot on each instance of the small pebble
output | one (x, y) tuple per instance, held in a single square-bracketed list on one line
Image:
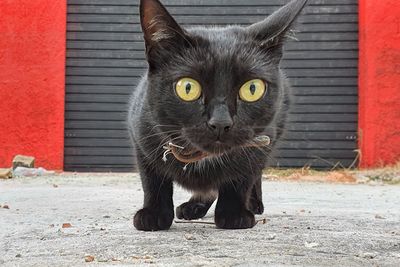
[(189, 237), (311, 244), (271, 237), (18, 255), (367, 255), (89, 258), (66, 225)]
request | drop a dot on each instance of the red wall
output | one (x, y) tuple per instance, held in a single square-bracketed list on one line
[(379, 82), (32, 71)]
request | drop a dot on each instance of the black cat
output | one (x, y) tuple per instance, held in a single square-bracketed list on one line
[(198, 115)]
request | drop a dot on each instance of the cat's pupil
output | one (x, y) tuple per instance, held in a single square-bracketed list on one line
[(252, 88), (188, 88)]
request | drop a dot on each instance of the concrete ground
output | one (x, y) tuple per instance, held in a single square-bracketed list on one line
[(308, 224)]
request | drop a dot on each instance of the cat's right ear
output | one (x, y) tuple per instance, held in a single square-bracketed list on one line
[(159, 27), (272, 31)]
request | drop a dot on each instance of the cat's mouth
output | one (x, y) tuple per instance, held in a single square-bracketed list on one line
[(190, 155)]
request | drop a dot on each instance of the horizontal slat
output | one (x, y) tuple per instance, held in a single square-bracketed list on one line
[(322, 118), (287, 63), (127, 162), (102, 80), (313, 136), (314, 163), (72, 152), (325, 100), (98, 116), (94, 125), (122, 36), (305, 136), (111, 98), (289, 46), (306, 127), (318, 81), (101, 89), (315, 63), (311, 126), (297, 91), (137, 29), (95, 142), (315, 154), (106, 160), (262, 10), (141, 55), (187, 20), (323, 108), (134, 72), (304, 108), (98, 151), (100, 168), (121, 116), (96, 134)]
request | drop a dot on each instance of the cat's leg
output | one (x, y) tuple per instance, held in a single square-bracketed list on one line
[(231, 211), (255, 203), (158, 209), (197, 206)]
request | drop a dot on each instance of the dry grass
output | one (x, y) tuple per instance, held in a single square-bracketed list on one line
[(387, 175)]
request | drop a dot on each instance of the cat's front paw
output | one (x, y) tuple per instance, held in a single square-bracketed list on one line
[(192, 210), (229, 219), (153, 220)]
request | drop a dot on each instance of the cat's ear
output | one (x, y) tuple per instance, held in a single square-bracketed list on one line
[(272, 31), (158, 26)]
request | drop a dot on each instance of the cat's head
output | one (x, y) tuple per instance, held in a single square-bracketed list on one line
[(216, 87)]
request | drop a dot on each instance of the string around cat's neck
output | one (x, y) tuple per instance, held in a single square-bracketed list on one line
[(191, 156)]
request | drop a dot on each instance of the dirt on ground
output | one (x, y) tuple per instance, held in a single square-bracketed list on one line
[(78, 219)]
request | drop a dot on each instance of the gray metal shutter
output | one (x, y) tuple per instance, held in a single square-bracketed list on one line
[(105, 59)]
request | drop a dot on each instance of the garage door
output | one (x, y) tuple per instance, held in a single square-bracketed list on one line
[(105, 59)]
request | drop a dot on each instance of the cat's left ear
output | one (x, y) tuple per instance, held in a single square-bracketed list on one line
[(158, 26), (271, 32)]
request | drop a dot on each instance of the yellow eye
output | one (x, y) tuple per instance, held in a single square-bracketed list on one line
[(188, 89), (253, 90)]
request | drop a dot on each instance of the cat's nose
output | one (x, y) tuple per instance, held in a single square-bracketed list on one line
[(220, 126), (220, 120)]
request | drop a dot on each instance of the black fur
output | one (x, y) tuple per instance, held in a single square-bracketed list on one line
[(221, 60)]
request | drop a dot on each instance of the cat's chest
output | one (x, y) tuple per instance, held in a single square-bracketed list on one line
[(210, 173)]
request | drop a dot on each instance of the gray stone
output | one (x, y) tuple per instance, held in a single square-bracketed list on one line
[(23, 161)]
